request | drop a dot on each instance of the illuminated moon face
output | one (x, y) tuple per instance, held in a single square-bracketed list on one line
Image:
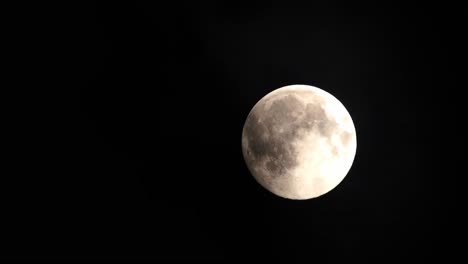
[(299, 142)]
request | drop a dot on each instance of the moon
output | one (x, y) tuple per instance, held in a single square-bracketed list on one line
[(299, 142)]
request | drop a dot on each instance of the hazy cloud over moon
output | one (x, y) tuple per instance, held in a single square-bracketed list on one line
[(285, 128)]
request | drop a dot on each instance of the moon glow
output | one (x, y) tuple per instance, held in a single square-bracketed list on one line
[(299, 142)]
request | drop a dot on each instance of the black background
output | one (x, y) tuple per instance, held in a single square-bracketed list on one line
[(139, 156)]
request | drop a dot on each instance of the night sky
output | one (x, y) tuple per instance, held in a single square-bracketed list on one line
[(143, 160)]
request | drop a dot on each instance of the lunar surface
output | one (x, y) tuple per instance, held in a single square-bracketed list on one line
[(299, 142)]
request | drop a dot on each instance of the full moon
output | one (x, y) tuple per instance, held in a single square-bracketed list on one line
[(299, 142)]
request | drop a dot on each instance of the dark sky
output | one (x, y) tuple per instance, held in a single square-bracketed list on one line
[(143, 160)]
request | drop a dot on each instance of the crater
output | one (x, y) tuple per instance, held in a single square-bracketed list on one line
[(346, 137)]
